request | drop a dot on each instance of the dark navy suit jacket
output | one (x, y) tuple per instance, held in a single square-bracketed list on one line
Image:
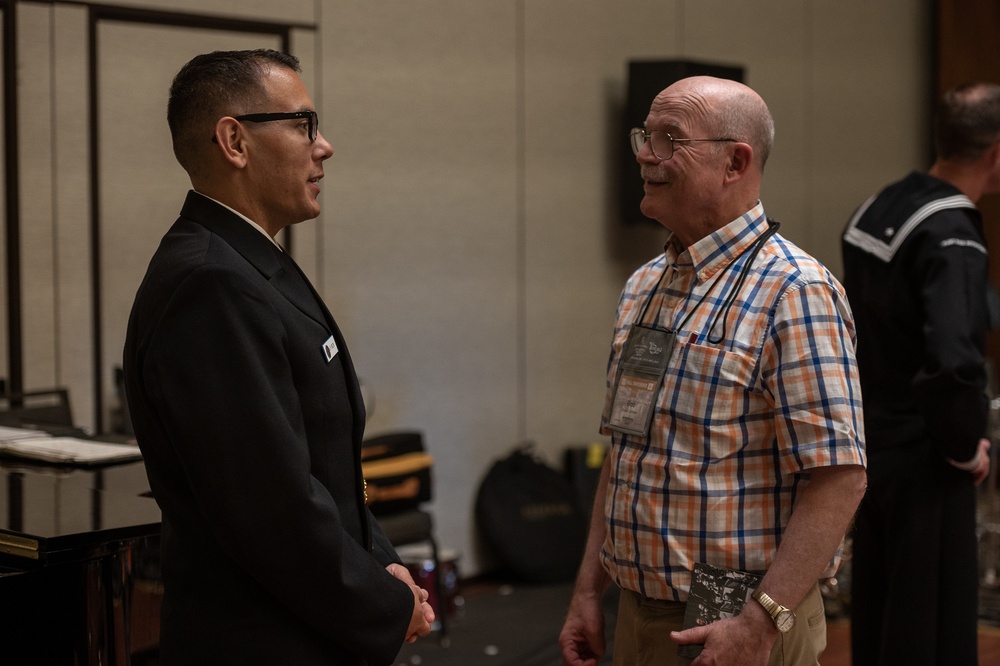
[(251, 437)]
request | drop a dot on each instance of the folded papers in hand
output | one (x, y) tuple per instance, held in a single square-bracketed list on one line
[(716, 594)]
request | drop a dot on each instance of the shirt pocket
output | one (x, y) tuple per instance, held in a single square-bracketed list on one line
[(712, 391)]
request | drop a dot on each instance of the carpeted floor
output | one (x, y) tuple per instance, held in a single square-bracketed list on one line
[(505, 624), (502, 624)]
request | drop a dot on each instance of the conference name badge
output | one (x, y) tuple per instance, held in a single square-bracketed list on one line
[(640, 375)]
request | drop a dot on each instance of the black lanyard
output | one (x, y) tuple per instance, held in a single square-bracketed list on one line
[(772, 228)]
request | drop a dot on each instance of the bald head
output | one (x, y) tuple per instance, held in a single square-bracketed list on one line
[(724, 108), (720, 135)]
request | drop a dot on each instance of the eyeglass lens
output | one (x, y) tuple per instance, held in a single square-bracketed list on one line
[(662, 146), (313, 126)]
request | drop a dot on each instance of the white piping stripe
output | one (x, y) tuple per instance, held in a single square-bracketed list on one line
[(885, 251)]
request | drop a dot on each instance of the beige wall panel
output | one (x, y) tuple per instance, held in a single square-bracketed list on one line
[(71, 191), (285, 11), (38, 266), (871, 90), (578, 251), (420, 235), (831, 75), (771, 41), (142, 186), (306, 245)]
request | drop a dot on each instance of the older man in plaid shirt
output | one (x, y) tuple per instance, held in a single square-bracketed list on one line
[(733, 404)]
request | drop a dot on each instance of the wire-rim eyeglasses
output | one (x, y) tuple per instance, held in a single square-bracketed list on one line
[(638, 136)]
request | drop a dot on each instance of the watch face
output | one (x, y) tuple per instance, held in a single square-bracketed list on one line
[(785, 621)]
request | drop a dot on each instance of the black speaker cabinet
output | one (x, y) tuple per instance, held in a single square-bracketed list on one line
[(646, 78)]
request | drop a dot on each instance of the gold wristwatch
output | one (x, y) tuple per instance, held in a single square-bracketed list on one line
[(784, 619)]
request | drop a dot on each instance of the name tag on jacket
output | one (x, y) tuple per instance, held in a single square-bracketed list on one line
[(330, 349)]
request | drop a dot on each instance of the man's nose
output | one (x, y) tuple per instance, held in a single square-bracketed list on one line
[(323, 145)]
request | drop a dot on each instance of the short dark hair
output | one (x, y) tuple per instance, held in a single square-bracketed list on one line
[(967, 122), (214, 85)]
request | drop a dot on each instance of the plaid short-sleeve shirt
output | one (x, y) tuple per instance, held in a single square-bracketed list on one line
[(752, 396)]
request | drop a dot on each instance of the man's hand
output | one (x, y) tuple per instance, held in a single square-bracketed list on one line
[(582, 636), (745, 639), (982, 469), (423, 614)]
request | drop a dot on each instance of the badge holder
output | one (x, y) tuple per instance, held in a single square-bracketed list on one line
[(644, 362)]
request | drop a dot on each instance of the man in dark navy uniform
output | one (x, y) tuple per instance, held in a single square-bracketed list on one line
[(915, 271)]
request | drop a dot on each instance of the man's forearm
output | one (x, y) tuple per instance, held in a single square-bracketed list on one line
[(592, 578), (821, 516)]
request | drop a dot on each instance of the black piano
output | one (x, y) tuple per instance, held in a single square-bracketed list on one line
[(78, 565)]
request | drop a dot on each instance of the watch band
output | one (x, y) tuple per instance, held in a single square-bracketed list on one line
[(770, 605), (782, 617)]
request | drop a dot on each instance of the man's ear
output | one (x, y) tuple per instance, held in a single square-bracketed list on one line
[(994, 154), (230, 137), (992, 160), (740, 160)]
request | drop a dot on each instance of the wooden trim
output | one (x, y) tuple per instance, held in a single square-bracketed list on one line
[(965, 37)]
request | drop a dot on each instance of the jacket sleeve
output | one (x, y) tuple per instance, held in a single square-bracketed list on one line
[(951, 384), (385, 553)]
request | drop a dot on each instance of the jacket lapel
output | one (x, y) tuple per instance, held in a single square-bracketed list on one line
[(292, 270), (282, 272)]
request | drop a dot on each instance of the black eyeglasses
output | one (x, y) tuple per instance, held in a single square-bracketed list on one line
[(268, 117), (662, 143)]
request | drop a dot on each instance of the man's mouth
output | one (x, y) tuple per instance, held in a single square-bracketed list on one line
[(651, 177)]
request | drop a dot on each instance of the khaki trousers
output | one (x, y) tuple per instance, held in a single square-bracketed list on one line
[(642, 634)]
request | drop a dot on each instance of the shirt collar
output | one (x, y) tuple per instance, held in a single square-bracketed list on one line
[(247, 219), (718, 249)]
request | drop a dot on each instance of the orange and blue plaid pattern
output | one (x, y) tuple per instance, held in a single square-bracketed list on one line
[(737, 421)]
